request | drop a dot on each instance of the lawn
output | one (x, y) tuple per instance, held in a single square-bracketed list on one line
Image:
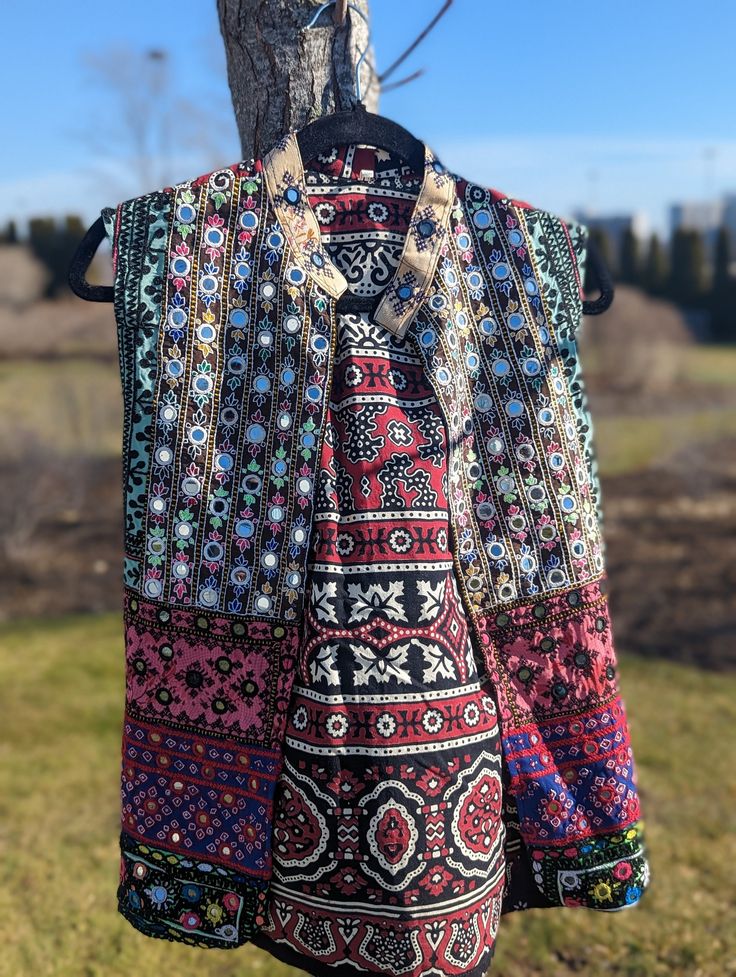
[(62, 704), (627, 444)]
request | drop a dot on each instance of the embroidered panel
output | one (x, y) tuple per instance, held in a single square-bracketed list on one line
[(525, 517), (520, 487), (224, 363), (567, 746), (205, 710), (239, 405), (558, 252)]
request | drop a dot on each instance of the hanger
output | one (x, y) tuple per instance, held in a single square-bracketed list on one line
[(602, 278), (80, 263), (355, 124)]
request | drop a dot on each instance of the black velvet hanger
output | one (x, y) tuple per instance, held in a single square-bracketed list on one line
[(81, 262), (105, 293), (357, 125), (601, 277)]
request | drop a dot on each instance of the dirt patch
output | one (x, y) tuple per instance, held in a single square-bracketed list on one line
[(671, 556), (70, 559)]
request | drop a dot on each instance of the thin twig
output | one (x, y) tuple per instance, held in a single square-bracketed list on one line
[(416, 41), (395, 84)]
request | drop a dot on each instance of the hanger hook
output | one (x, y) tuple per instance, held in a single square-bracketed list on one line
[(361, 59)]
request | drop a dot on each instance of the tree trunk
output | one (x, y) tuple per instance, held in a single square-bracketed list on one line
[(282, 76)]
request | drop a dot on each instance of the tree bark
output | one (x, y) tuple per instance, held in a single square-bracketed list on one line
[(282, 76)]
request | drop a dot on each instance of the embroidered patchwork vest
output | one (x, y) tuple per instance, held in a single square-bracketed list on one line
[(226, 304)]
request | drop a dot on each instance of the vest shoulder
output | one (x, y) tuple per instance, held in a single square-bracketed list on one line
[(242, 169), (547, 233), (477, 195), (149, 213)]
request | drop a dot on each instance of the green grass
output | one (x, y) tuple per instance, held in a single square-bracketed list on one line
[(68, 406), (714, 364), (632, 443), (62, 706)]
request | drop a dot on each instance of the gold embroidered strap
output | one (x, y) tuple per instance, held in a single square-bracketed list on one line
[(427, 231), (428, 227), (284, 174)]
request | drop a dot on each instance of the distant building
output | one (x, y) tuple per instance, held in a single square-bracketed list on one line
[(729, 216), (704, 216), (615, 226), (707, 217)]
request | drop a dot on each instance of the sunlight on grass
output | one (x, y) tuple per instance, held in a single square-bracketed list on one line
[(70, 406), (632, 442), (711, 364), (629, 443), (62, 706)]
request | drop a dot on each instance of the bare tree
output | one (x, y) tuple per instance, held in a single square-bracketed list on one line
[(136, 110), (282, 75)]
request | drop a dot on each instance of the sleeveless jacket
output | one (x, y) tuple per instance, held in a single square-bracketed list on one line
[(225, 302)]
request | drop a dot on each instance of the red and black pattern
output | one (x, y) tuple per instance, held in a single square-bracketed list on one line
[(388, 846), (363, 225)]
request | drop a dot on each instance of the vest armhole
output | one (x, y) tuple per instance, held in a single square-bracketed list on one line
[(138, 231), (576, 235), (110, 219)]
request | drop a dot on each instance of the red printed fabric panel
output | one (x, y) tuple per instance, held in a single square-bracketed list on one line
[(388, 847), (206, 693), (363, 225), (567, 746)]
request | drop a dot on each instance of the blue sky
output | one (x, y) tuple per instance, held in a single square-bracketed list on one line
[(618, 107)]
